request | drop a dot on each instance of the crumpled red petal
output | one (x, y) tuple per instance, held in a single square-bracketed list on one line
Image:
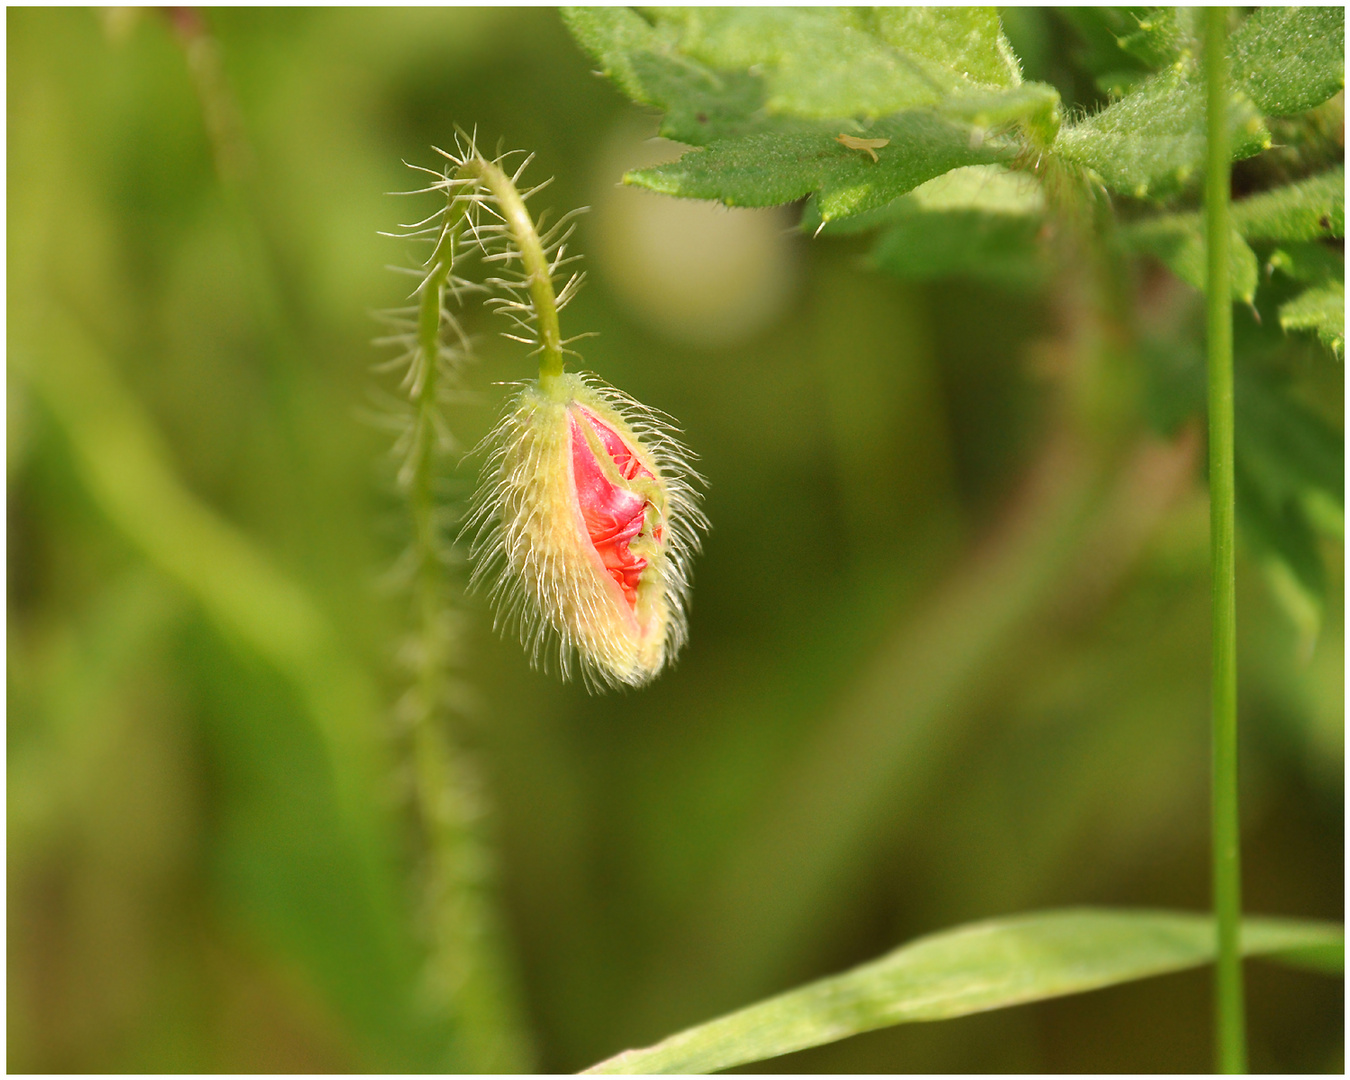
[(614, 515)]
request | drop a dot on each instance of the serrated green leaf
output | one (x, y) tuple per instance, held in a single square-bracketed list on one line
[(837, 62), (1310, 209), (1035, 105), (966, 40), (1290, 479), (1161, 35), (997, 248), (1153, 140), (771, 169), (612, 36), (989, 189), (812, 63), (700, 104), (768, 92), (1288, 449), (817, 62), (980, 221), (1310, 263), (1287, 59), (1099, 51), (976, 968), (1179, 241), (1321, 310)]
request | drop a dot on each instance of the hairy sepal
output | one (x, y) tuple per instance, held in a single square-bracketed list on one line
[(534, 550)]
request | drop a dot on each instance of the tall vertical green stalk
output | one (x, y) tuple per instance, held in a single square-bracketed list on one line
[(1230, 1033), (466, 973)]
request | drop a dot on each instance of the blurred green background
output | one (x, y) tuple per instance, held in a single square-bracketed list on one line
[(948, 659)]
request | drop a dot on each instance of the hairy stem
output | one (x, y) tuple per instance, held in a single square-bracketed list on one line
[(467, 974), (1231, 1038), (538, 273)]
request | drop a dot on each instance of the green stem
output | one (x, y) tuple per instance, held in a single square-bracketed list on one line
[(466, 969), (537, 273), (1231, 1037)]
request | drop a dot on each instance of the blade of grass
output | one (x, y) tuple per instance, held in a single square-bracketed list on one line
[(976, 968), (1231, 1039)]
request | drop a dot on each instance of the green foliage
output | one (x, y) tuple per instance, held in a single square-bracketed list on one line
[(770, 169), (1307, 210), (1322, 310), (1320, 307), (1310, 209), (1311, 263), (1297, 215), (699, 104), (723, 75), (753, 88), (1284, 60), (720, 73), (972, 969), (1152, 141), (1289, 467), (981, 222), (1160, 36), (768, 90), (1290, 480), (824, 63), (1287, 59), (1099, 49), (1179, 241)]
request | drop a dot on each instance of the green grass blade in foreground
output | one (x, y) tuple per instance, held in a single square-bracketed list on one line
[(975, 968)]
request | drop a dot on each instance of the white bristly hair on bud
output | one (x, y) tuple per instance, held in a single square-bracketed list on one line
[(586, 518), (533, 550), (592, 573)]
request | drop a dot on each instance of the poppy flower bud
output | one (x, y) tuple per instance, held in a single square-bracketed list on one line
[(585, 524)]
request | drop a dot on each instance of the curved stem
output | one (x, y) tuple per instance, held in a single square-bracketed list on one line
[(1231, 1039), (538, 274)]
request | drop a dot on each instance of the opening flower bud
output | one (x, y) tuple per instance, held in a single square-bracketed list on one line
[(585, 524)]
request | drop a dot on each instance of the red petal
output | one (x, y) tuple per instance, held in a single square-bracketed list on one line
[(613, 515)]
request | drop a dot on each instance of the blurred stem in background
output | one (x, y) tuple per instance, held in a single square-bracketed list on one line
[(467, 975), (1232, 1050)]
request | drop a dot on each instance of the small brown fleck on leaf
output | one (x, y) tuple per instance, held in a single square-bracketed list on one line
[(855, 143)]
